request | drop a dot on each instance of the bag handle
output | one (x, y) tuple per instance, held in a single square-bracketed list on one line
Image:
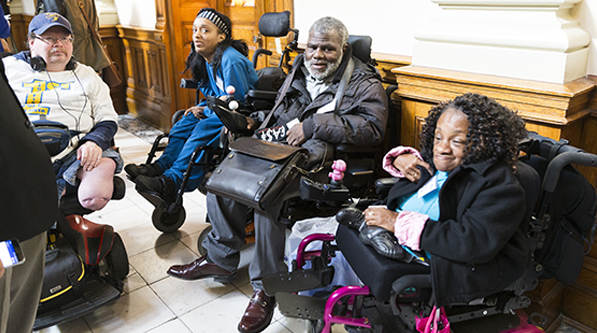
[(433, 321), (94, 32)]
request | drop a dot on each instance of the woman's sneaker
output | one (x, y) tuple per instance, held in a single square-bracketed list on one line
[(150, 170)]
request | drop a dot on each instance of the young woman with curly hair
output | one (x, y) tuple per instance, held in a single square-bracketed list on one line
[(465, 209), (216, 62)]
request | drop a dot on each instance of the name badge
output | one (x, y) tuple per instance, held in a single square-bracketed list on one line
[(428, 188)]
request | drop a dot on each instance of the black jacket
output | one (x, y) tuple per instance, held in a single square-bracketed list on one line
[(477, 247), (361, 118), (29, 199)]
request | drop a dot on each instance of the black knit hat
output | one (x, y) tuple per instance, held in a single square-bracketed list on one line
[(220, 20)]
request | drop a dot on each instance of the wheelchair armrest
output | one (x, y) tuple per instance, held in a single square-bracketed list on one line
[(189, 83), (345, 148), (383, 185), (257, 53), (418, 281), (262, 94)]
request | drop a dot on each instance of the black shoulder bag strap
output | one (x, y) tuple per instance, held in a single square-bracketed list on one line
[(94, 31), (344, 82)]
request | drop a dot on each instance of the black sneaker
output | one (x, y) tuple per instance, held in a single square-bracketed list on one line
[(162, 186), (149, 170), (119, 188)]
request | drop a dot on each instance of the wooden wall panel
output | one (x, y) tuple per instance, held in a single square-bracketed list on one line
[(19, 24), (148, 84)]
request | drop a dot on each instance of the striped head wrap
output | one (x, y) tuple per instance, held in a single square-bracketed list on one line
[(220, 20)]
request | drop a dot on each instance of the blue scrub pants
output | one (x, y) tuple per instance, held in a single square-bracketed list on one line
[(185, 136)]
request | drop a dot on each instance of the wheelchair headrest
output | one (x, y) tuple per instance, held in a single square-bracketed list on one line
[(361, 47), (275, 24)]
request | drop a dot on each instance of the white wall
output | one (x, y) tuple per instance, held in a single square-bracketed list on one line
[(393, 27), (391, 23), (586, 14), (136, 13)]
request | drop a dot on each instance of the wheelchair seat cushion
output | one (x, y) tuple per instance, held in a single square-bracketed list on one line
[(375, 270)]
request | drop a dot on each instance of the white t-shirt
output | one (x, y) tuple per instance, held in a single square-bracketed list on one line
[(77, 98)]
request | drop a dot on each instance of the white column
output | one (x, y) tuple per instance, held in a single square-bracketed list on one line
[(106, 11), (525, 39)]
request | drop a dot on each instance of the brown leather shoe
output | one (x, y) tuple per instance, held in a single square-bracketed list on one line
[(201, 269), (258, 314)]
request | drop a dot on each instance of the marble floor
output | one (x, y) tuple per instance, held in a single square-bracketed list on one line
[(153, 301)]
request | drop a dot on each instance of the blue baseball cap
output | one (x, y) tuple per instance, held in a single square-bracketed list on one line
[(42, 22)]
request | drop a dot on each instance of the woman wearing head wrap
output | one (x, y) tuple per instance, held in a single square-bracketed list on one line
[(216, 62)]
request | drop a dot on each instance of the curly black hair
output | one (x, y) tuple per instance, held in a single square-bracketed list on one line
[(196, 63), (494, 131)]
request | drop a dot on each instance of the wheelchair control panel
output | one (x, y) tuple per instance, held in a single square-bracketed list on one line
[(334, 193)]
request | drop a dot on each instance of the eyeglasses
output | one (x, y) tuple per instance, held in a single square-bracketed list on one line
[(54, 40)]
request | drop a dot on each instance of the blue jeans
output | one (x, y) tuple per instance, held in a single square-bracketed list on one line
[(185, 136)]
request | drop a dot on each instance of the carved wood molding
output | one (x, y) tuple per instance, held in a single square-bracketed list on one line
[(547, 103), (387, 62)]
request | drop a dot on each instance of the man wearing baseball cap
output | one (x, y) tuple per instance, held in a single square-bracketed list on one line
[(52, 85)]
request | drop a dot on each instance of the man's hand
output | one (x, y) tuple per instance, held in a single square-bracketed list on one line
[(251, 123), (296, 136), (90, 155), (407, 165), (197, 111), (2, 269)]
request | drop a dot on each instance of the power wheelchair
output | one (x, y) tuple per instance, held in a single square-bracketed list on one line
[(559, 223), (170, 217), (85, 262)]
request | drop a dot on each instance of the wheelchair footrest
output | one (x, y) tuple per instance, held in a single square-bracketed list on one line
[(297, 306), (299, 280)]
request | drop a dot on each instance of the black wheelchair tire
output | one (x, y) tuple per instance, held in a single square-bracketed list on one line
[(166, 222), (202, 236), (117, 260)]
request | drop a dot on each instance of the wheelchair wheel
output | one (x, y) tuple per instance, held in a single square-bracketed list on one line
[(117, 261), (168, 222), (202, 236)]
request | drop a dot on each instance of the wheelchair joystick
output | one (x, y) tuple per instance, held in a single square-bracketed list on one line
[(336, 176), (232, 103), (333, 194)]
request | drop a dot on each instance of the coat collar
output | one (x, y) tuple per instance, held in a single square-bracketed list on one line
[(479, 167)]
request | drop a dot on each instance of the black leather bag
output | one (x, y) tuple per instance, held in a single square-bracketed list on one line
[(64, 278), (256, 172)]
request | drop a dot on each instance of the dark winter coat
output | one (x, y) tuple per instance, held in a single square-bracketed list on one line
[(29, 199), (476, 247), (360, 120)]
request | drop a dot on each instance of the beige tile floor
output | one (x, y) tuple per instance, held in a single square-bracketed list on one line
[(153, 301)]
